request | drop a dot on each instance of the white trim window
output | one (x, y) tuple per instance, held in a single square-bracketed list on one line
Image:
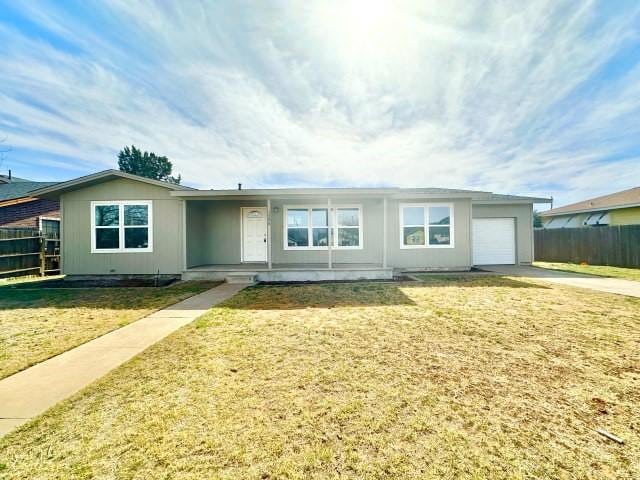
[(426, 225), (121, 226), (348, 227), (312, 228)]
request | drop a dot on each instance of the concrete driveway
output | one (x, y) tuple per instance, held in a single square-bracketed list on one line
[(601, 284)]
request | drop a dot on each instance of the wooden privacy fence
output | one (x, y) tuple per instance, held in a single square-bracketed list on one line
[(28, 252), (617, 246)]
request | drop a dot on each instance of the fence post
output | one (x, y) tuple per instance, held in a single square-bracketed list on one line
[(43, 255)]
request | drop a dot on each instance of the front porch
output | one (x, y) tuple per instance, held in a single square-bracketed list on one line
[(285, 239), (289, 272)]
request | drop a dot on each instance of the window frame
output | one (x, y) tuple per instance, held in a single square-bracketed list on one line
[(336, 228), (121, 226), (426, 225), (332, 226)]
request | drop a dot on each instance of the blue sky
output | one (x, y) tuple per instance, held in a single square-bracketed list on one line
[(538, 97)]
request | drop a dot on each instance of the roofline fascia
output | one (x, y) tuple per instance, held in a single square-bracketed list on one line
[(69, 184), (588, 210), (293, 193), (523, 201)]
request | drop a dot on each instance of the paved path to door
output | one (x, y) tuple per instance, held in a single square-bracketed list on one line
[(602, 284), (32, 391)]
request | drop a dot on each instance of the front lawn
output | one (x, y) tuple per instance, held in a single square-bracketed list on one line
[(599, 270), (37, 323), (469, 377)]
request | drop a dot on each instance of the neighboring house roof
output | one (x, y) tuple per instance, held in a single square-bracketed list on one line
[(188, 192), (623, 199), (6, 179), (20, 189)]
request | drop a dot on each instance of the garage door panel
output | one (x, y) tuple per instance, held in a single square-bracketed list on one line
[(494, 241)]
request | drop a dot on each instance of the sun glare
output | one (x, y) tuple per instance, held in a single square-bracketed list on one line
[(365, 16), (365, 31)]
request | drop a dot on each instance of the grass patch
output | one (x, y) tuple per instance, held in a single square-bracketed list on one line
[(471, 378), (599, 270), (38, 323)]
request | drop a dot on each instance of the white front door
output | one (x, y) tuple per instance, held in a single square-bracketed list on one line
[(254, 234)]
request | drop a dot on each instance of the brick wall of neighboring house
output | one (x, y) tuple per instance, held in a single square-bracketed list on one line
[(27, 214)]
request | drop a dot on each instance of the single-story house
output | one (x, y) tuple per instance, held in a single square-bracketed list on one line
[(115, 223), (620, 208), (19, 209)]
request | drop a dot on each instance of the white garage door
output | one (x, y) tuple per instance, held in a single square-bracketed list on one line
[(494, 241)]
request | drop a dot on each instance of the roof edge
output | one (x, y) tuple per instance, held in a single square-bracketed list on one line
[(103, 175)]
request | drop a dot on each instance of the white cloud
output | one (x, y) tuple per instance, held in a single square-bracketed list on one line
[(508, 97)]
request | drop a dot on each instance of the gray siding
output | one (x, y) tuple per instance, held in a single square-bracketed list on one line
[(523, 215), (76, 231), (458, 257), (371, 241), (213, 231), (213, 235)]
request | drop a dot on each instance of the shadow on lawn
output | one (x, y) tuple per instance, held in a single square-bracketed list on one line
[(358, 294), (319, 295), (57, 282), (473, 281), (112, 298)]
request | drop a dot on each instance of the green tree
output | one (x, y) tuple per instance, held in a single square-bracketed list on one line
[(537, 219), (146, 164)]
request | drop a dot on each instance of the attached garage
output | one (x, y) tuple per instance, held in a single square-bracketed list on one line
[(494, 241)]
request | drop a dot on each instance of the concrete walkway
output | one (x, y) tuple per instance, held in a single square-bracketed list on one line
[(32, 391), (601, 284)]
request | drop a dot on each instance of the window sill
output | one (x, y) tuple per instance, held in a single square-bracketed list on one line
[(420, 247), (130, 250), (321, 249)]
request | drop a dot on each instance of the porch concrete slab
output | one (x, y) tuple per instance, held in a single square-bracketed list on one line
[(32, 391), (602, 284)]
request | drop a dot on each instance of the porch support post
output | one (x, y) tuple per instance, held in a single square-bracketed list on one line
[(269, 233), (384, 232), (184, 235), (331, 233)]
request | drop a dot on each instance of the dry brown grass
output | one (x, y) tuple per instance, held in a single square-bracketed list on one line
[(38, 323), (479, 377)]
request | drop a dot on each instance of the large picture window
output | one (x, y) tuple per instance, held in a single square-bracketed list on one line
[(121, 226), (312, 228), (426, 226)]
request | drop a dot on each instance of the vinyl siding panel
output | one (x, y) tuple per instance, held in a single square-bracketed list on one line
[(213, 231), (625, 216), (214, 235), (371, 235), (167, 231), (523, 215), (458, 257)]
